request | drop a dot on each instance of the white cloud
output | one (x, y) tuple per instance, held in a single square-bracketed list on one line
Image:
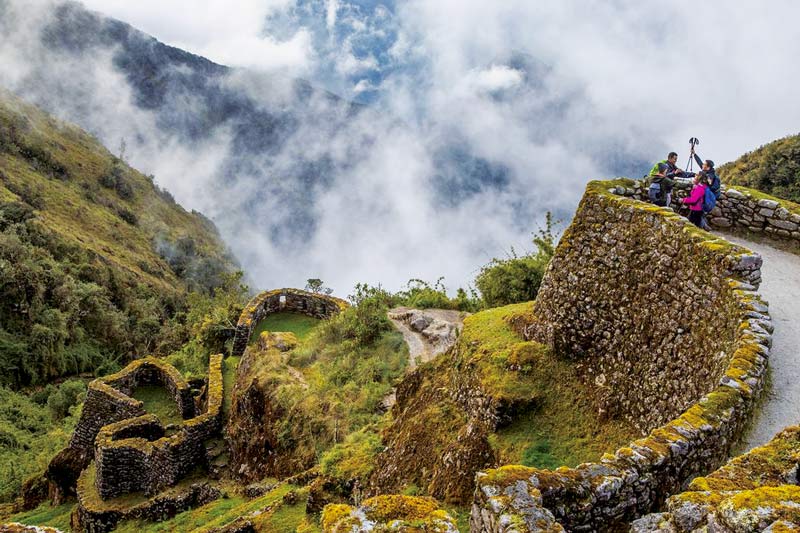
[(226, 32), (548, 91), (496, 78)]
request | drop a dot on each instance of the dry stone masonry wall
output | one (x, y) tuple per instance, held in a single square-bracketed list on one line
[(291, 300), (139, 454), (135, 455), (757, 491), (108, 400), (741, 208), (666, 323)]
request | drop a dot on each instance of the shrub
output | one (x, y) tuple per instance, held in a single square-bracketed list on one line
[(68, 394), (128, 216), (517, 278)]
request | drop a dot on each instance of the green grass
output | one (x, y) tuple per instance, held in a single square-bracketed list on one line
[(560, 426), (159, 402), (221, 512), (187, 520), (46, 515), (228, 380), (461, 516), (300, 325)]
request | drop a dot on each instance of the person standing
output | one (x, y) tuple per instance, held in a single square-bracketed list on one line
[(695, 199), (714, 184)]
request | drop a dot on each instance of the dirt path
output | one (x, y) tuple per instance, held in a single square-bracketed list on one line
[(781, 288), (421, 349)]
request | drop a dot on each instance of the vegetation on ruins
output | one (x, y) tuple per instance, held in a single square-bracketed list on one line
[(349, 364)]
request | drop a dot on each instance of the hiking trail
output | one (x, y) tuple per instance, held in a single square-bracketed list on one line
[(780, 286), (427, 333)]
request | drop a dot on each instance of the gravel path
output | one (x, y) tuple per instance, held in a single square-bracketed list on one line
[(417, 347), (420, 349), (781, 288)]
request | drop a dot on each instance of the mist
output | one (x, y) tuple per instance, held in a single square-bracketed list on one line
[(475, 118)]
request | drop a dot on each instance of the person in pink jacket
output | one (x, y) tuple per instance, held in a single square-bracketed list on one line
[(695, 199)]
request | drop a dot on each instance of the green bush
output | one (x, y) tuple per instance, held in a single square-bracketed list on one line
[(29, 438), (68, 395), (517, 278)]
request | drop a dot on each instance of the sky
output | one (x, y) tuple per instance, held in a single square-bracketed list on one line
[(721, 71), (541, 96)]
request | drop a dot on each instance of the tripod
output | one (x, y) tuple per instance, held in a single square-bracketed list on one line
[(694, 141)]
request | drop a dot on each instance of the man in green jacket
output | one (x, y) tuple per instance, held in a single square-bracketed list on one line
[(663, 175)]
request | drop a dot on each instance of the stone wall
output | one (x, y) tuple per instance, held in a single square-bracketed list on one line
[(741, 208), (135, 455), (107, 401), (290, 300), (754, 492), (666, 324), (95, 517)]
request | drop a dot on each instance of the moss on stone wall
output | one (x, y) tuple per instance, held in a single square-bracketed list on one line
[(750, 493), (289, 300)]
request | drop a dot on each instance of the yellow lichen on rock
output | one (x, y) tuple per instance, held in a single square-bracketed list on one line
[(393, 512)]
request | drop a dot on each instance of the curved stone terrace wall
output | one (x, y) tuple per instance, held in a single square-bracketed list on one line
[(135, 455), (667, 326), (108, 400), (291, 300)]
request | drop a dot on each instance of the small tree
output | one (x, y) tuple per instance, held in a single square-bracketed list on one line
[(317, 286)]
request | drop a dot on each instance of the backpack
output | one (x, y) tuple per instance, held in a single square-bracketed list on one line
[(709, 200), (657, 193)]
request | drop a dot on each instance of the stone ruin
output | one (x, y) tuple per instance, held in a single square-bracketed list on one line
[(654, 309), (312, 304), (118, 448)]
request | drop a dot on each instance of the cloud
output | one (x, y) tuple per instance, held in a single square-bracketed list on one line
[(225, 32), (484, 116), (497, 78)]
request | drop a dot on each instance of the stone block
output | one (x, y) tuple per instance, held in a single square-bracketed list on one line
[(721, 222), (783, 224), (769, 204)]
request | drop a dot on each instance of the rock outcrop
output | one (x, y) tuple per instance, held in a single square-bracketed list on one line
[(403, 514), (253, 427)]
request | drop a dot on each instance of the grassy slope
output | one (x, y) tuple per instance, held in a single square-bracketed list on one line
[(300, 325), (773, 168), (562, 426), (68, 209), (59, 166)]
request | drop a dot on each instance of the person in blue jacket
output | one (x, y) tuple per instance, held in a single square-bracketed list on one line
[(714, 183)]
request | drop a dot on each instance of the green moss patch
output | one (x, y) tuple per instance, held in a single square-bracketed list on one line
[(158, 401), (46, 515), (300, 325), (229, 366)]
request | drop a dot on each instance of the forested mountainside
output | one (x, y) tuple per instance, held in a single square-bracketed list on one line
[(95, 259), (773, 168)]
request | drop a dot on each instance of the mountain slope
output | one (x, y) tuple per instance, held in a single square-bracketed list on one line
[(773, 168), (94, 258)]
